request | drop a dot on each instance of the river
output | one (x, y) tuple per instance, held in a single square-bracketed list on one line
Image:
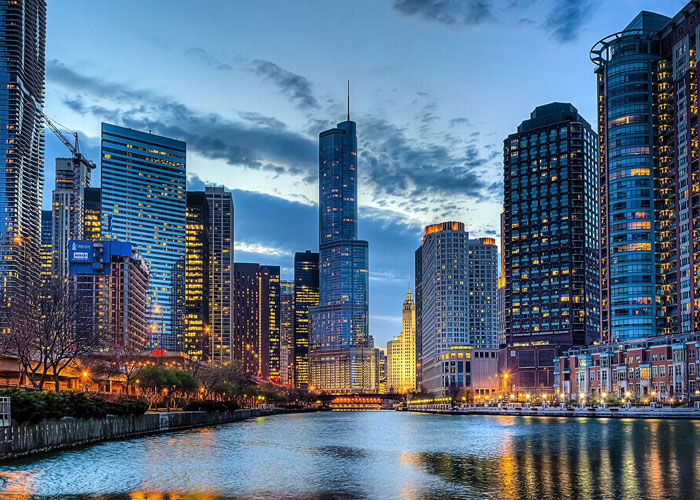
[(378, 455)]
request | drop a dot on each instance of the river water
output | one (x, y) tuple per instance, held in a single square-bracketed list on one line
[(379, 455)]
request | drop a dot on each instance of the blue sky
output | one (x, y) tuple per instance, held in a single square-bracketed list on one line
[(436, 86)]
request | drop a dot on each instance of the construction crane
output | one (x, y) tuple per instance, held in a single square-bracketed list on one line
[(79, 160)]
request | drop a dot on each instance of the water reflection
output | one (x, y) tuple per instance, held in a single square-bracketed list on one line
[(378, 455)]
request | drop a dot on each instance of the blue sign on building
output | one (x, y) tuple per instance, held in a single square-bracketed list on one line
[(80, 251)]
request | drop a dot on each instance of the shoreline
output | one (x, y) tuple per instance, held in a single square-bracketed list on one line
[(640, 413), (21, 441)]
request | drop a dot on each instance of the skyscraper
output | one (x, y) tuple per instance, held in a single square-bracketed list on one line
[(306, 296), (143, 202), (197, 325), (22, 75), (221, 282), (272, 275), (286, 332), (339, 324), (418, 279), (66, 199), (458, 307), (256, 319), (401, 351), (92, 214), (550, 241), (649, 179)]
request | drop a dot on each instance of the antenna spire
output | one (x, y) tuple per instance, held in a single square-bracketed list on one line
[(348, 100)]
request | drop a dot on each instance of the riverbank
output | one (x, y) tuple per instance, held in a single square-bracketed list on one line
[(588, 412), (23, 439)]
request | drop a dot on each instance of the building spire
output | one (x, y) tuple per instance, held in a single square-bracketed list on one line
[(348, 100)]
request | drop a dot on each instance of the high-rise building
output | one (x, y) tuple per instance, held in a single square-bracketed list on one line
[(197, 325), (256, 319), (418, 279), (339, 324), (92, 214), (67, 199), (46, 252), (111, 283), (286, 332), (401, 352), (306, 296), (649, 176), (382, 360), (458, 308), (221, 282), (143, 202), (272, 275), (550, 242), (22, 75)]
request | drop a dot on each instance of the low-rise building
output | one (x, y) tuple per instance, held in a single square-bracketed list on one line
[(661, 368)]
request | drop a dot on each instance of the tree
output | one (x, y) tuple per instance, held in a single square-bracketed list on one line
[(47, 331), (159, 383)]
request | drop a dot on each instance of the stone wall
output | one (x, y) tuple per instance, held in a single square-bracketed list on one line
[(25, 438)]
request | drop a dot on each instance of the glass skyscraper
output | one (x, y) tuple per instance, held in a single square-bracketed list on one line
[(22, 75), (340, 323), (650, 179), (144, 202), (197, 326), (306, 296)]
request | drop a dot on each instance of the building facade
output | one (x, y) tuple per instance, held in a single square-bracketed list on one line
[(67, 199), (111, 285), (46, 251), (647, 118), (306, 296), (197, 342), (143, 202), (286, 332), (459, 299), (257, 319), (221, 282), (340, 321), (92, 214), (550, 241), (401, 352), (22, 76), (658, 368)]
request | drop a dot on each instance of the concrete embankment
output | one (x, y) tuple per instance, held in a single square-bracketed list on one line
[(23, 439), (634, 412)]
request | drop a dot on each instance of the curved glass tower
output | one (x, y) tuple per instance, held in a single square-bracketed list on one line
[(631, 113)]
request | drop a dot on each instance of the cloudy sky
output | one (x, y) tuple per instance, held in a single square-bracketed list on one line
[(436, 86)]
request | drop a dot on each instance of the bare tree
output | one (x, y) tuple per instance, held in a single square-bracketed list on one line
[(47, 331)]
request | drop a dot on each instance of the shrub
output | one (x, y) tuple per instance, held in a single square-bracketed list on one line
[(32, 406)]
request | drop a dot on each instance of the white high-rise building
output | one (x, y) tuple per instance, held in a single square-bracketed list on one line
[(459, 306), (401, 352)]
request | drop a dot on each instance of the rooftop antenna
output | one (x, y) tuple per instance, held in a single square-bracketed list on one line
[(348, 100)]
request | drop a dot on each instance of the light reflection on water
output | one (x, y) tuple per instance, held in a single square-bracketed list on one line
[(378, 455)]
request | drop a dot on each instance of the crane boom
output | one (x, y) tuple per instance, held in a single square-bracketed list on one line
[(79, 160)]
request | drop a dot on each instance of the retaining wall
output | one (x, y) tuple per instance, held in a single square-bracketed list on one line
[(25, 439)]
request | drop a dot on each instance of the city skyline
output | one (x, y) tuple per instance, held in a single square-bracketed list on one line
[(292, 93)]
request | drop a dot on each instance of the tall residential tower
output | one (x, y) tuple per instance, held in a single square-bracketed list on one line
[(341, 359), (550, 242), (22, 75)]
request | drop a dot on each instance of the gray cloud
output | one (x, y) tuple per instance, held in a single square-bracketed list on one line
[(200, 54), (418, 174), (256, 146), (448, 12), (296, 87), (567, 17)]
